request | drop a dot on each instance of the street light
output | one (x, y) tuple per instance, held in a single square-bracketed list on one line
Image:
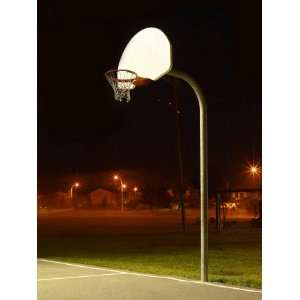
[(74, 185), (253, 170), (135, 190), (122, 187)]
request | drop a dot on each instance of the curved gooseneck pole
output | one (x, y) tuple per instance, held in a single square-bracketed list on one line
[(203, 169)]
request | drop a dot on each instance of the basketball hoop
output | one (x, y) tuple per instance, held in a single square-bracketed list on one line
[(122, 81), (149, 54)]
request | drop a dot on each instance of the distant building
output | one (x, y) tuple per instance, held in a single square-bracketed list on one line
[(54, 200), (62, 200), (102, 198), (242, 203), (192, 197)]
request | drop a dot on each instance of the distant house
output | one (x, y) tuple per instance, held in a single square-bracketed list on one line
[(62, 200), (102, 198), (192, 197), (54, 200), (246, 199), (246, 203)]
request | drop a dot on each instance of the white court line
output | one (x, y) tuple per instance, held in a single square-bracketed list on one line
[(75, 277), (79, 265), (154, 276)]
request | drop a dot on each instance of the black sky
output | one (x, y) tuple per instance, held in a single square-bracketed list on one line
[(82, 129)]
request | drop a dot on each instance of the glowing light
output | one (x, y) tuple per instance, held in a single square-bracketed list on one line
[(124, 186), (135, 189), (229, 205), (76, 184), (253, 169), (116, 177)]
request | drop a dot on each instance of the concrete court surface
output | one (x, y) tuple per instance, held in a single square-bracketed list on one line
[(64, 281)]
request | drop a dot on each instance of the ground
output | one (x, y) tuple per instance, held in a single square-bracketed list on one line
[(59, 280), (151, 242)]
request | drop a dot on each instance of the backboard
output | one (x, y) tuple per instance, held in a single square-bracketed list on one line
[(148, 53)]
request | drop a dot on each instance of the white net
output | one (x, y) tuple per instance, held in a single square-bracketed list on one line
[(122, 81)]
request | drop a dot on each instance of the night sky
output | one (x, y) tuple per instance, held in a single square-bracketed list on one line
[(82, 129)]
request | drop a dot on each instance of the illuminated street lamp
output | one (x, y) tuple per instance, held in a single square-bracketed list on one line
[(135, 189), (123, 187), (253, 170), (75, 185)]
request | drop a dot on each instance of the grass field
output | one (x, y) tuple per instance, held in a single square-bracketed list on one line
[(151, 242)]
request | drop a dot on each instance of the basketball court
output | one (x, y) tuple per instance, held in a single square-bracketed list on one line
[(60, 280), (146, 58)]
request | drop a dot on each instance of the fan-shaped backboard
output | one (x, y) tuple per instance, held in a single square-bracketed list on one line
[(148, 53)]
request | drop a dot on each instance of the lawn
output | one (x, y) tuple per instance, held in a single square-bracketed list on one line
[(151, 242)]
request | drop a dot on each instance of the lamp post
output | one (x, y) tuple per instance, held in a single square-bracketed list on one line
[(254, 170), (74, 185), (174, 87), (135, 189), (122, 187)]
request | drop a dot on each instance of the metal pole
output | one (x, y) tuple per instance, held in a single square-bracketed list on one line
[(180, 164), (218, 221), (122, 199), (224, 212), (203, 169), (174, 86), (71, 196)]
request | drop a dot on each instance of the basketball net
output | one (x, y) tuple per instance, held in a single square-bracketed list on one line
[(122, 81)]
